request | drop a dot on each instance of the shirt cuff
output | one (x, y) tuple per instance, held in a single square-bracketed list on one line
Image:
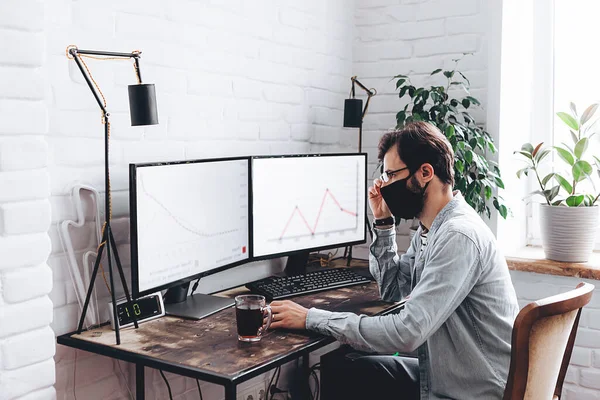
[(381, 233), (316, 320)]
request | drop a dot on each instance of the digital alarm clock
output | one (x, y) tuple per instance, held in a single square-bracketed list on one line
[(144, 309)]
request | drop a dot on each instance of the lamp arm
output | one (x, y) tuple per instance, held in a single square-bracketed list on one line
[(74, 51), (370, 92), (366, 106), (88, 81), (104, 53)]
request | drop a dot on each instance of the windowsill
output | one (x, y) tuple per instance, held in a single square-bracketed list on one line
[(531, 259)]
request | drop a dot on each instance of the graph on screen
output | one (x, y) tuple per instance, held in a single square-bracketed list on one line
[(307, 202), (191, 218)]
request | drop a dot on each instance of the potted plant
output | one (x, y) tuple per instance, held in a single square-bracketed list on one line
[(570, 214), (476, 175)]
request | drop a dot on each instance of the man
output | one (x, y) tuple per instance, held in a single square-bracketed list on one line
[(461, 302)]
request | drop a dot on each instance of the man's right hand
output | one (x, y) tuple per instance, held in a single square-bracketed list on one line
[(378, 207)]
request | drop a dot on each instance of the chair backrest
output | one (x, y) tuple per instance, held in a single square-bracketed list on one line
[(542, 342)]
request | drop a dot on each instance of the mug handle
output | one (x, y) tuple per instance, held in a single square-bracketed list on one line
[(264, 328)]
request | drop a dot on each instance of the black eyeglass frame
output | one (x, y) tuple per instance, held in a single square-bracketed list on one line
[(387, 176)]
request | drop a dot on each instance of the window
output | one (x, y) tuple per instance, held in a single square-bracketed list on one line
[(566, 69)]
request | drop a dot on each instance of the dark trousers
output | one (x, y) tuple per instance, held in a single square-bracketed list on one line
[(347, 375)]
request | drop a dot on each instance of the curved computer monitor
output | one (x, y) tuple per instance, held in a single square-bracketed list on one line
[(188, 219), (303, 203)]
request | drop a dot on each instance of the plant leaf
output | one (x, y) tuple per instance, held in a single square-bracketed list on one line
[(450, 131), (537, 148), (569, 120), (574, 137), (581, 169), (503, 211), (557, 203), (553, 192), (581, 147), (564, 183), (522, 171), (488, 192), (436, 71), (469, 156), (400, 82), (547, 178), (565, 155), (459, 165), (526, 154), (403, 91), (588, 113), (448, 74), (465, 78), (527, 147), (473, 100), (400, 76), (465, 103), (574, 201), (499, 182), (541, 155), (573, 108)]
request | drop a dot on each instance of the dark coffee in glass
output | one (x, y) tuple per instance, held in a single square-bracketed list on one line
[(250, 311)]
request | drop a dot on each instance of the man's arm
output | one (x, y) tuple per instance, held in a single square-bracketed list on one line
[(391, 272), (451, 271)]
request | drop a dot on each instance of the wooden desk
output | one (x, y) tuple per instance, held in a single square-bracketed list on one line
[(208, 349)]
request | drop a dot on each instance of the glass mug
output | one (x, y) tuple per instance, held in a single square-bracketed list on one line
[(249, 314)]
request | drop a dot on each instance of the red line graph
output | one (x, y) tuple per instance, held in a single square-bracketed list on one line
[(314, 227)]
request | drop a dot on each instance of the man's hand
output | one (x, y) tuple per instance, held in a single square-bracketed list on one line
[(288, 315), (376, 202)]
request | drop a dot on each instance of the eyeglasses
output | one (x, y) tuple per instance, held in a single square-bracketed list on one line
[(387, 175)]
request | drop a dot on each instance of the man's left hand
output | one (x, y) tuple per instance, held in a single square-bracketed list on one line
[(288, 315)]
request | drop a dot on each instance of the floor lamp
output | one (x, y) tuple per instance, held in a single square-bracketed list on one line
[(142, 107), (353, 118)]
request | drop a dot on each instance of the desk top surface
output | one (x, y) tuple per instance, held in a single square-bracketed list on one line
[(211, 344)]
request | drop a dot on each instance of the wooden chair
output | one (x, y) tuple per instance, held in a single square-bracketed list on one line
[(542, 342)]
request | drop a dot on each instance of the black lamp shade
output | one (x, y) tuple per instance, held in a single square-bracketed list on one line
[(142, 105), (353, 113)]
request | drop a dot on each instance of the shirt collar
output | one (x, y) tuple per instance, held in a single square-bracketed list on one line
[(445, 212)]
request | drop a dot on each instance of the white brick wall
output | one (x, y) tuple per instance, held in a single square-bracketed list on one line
[(583, 375), (27, 369)]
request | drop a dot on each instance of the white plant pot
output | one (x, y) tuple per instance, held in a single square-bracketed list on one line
[(568, 233)]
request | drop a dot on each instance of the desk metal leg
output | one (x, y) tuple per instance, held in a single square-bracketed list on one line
[(230, 392), (139, 382)]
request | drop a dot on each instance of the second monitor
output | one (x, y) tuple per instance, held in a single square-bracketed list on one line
[(307, 202)]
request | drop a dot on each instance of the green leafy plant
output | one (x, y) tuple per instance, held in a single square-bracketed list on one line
[(476, 175), (563, 187)]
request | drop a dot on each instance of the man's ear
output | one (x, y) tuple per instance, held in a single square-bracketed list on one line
[(427, 172)]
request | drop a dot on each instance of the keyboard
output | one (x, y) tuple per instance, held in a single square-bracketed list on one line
[(275, 287)]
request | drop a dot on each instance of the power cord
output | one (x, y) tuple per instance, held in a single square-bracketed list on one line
[(198, 383), (195, 286), (313, 374), (167, 382)]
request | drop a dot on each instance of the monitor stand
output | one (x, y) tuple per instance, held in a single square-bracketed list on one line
[(296, 264), (197, 306)]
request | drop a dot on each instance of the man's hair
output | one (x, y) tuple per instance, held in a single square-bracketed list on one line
[(419, 143)]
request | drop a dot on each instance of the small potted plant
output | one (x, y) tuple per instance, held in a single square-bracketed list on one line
[(570, 214)]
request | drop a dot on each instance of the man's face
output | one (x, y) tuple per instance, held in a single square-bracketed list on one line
[(396, 169)]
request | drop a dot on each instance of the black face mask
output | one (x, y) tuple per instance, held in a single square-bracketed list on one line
[(402, 202)]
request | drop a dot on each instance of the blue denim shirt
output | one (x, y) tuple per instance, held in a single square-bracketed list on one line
[(459, 314)]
